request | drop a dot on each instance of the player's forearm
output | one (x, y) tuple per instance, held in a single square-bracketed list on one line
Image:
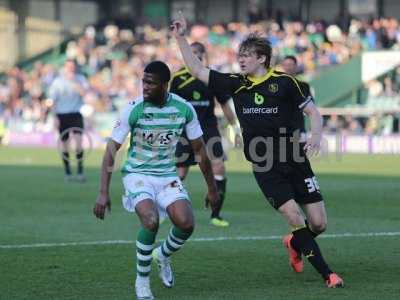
[(315, 122), (206, 169), (108, 166), (195, 66), (229, 114)]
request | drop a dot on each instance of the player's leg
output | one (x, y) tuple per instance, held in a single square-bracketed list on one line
[(80, 177), (139, 195), (78, 135), (148, 216), (302, 241), (64, 144), (215, 151), (280, 193), (316, 222), (174, 198), (218, 167), (308, 194), (181, 215), (316, 217)]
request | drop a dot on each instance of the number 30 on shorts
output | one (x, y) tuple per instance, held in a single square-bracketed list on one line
[(312, 184)]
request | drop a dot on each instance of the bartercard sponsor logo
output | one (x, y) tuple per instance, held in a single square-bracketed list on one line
[(260, 110)]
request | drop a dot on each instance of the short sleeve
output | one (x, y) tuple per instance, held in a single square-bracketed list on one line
[(53, 90), (83, 82), (121, 126), (305, 88), (297, 94), (192, 126), (222, 98), (225, 83)]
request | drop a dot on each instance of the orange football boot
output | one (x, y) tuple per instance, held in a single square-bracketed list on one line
[(295, 260), (334, 281)]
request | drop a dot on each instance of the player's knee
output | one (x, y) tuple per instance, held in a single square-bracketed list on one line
[(319, 227), (218, 167), (186, 224), (150, 222), (291, 214)]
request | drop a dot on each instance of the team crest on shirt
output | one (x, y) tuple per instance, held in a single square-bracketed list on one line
[(273, 87), (173, 117), (117, 124), (196, 95), (148, 116)]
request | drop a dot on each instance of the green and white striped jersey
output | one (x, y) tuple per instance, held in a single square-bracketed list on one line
[(155, 131)]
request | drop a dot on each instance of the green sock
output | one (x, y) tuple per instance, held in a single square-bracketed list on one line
[(144, 247), (175, 240)]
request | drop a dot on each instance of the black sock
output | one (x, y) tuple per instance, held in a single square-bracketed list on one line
[(65, 159), (303, 242), (79, 158), (221, 186), (314, 234)]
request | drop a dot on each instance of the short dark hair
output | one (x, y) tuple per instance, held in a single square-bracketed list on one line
[(159, 68), (254, 41), (292, 58), (199, 46)]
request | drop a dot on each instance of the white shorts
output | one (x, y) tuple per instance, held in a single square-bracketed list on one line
[(162, 190)]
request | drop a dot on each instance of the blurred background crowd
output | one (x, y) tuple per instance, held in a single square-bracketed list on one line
[(113, 58)]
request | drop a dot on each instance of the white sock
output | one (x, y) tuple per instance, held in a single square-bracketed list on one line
[(142, 279)]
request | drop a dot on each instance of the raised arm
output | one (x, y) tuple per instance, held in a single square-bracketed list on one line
[(199, 150), (195, 66)]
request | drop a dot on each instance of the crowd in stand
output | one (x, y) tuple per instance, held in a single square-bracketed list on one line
[(113, 59)]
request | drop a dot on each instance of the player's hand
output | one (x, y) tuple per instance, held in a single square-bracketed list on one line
[(103, 202), (313, 145), (214, 199), (178, 27)]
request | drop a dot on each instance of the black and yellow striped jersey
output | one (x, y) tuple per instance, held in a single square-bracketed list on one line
[(199, 95), (268, 106)]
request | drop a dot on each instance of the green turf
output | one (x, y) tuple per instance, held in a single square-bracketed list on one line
[(36, 206)]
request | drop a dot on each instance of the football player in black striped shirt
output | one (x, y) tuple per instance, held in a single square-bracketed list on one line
[(268, 104)]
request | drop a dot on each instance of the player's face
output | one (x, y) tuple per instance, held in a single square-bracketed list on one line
[(249, 61), (153, 89), (289, 66)]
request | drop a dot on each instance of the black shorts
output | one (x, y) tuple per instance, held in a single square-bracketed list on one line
[(184, 153), (289, 180), (68, 122)]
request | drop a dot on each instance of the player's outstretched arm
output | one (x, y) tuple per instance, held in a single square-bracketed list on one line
[(199, 150), (232, 120), (313, 144), (103, 201), (195, 66)]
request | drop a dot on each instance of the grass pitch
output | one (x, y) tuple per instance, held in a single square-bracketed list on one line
[(362, 195)]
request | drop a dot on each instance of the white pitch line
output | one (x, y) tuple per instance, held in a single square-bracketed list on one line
[(199, 239)]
